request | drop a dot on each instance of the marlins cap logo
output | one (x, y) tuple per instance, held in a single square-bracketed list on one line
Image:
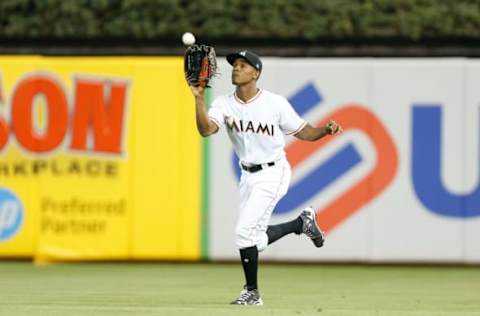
[(242, 53)]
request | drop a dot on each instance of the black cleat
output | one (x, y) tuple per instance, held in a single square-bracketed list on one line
[(310, 227), (247, 297)]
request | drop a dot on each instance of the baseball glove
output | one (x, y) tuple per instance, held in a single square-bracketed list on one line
[(200, 65)]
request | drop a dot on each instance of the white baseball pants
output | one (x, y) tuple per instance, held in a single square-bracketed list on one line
[(259, 194)]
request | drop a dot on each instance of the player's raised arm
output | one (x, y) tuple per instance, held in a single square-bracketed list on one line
[(205, 126), (312, 134)]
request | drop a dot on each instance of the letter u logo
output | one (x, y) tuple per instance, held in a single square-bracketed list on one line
[(427, 165)]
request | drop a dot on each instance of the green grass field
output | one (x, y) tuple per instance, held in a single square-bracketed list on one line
[(205, 289)]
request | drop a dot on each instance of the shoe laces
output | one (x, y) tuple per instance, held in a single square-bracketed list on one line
[(245, 295), (307, 222), (309, 231)]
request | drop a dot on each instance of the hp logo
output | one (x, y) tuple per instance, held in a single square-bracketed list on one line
[(11, 214)]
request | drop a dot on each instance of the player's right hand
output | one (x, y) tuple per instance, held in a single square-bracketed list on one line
[(197, 91)]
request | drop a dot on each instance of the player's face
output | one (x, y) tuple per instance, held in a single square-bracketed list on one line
[(243, 72)]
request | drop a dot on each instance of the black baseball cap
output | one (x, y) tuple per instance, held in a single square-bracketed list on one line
[(250, 57)]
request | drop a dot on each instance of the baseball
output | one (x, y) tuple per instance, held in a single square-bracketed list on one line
[(188, 39)]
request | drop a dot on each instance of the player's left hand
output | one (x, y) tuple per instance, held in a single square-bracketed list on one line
[(333, 128)]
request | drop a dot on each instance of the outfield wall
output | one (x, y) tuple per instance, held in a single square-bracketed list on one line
[(400, 185), (100, 159)]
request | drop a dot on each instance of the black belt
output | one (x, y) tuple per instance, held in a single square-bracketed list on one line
[(255, 168)]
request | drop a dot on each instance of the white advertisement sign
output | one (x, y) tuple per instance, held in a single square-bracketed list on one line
[(401, 184)]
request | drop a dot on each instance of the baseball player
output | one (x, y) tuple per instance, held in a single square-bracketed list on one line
[(256, 120)]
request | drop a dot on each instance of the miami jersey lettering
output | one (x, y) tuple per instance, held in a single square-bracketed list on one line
[(252, 125)]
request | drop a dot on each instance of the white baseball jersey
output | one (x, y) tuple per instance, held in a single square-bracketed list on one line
[(256, 127)]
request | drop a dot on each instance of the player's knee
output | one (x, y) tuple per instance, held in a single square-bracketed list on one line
[(250, 236), (244, 237)]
